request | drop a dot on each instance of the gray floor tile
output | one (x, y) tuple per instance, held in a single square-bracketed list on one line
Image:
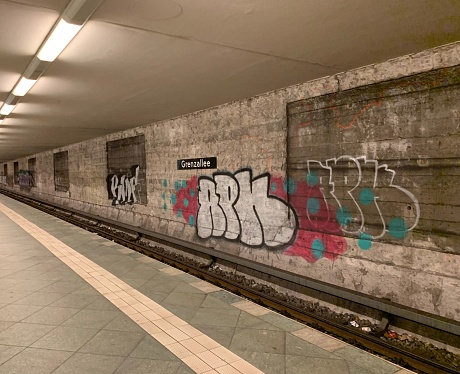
[(152, 349), (23, 334), (184, 369), (9, 296), (7, 284), (15, 265), (65, 338), (123, 323), (140, 267), (266, 341), (135, 255), (52, 260), (183, 312), (102, 304), (46, 267), (299, 347), (139, 274), (222, 335), (216, 317), (25, 274), (117, 343), (32, 285), (34, 361), (117, 270), (23, 257), (226, 296), (6, 272), (16, 313), (247, 320), (53, 275), (163, 284), (144, 366), (84, 363), (39, 298), (186, 288), (157, 265), (354, 369), (74, 300), (51, 316), (63, 287), (91, 319), (282, 322), (135, 283), (363, 359), (297, 365), (86, 289), (184, 299), (113, 258), (187, 278), (5, 325), (8, 351), (213, 302), (269, 363)]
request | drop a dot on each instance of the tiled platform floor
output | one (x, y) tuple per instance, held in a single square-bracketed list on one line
[(116, 311)]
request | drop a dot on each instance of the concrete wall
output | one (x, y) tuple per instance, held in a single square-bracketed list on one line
[(350, 179)]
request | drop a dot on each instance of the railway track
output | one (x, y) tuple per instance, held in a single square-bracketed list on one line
[(131, 237)]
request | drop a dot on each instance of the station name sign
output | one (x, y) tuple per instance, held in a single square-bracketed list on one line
[(197, 163)]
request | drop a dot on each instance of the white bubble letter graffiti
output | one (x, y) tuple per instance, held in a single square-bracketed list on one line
[(227, 189)]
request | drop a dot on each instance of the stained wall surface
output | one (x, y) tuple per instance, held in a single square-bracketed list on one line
[(350, 179)]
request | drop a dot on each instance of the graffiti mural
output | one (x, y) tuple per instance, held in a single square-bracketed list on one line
[(26, 179), (359, 190), (126, 171), (240, 207), (122, 188), (310, 218)]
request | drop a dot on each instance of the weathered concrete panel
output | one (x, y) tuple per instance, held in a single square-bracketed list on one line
[(61, 171), (368, 136)]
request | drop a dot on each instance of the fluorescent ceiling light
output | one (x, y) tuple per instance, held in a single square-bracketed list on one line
[(6, 109), (23, 86), (58, 40)]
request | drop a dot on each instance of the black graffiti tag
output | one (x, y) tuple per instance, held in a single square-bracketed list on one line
[(122, 188)]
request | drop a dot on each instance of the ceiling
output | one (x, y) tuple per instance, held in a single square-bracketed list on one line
[(140, 61)]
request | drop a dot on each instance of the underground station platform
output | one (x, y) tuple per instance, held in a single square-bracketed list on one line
[(74, 302)]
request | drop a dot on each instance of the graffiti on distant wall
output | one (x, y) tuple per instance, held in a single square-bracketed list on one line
[(26, 179), (310, 217), (122, 188), (6, 180)]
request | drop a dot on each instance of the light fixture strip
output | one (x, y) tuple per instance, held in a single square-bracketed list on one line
[(69, 24), (6, 109), (23, 86), (60, 37)]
